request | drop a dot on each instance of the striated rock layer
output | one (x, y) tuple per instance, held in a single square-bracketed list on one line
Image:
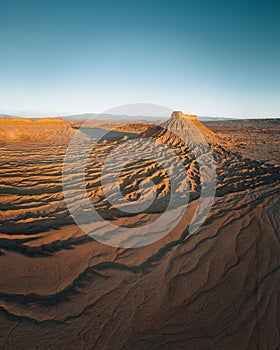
[(217, 288), (23, 129)]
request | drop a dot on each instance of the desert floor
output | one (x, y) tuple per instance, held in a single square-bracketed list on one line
[(217, 288)]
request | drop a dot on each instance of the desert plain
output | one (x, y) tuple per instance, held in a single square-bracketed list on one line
[(214, 288)]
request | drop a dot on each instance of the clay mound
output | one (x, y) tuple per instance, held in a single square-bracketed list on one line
[(22, 129), (182, 128)]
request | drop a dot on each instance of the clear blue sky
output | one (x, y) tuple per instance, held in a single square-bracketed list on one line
[(219, 58)]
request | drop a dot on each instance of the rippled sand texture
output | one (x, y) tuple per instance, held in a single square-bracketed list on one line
[(217, 288)]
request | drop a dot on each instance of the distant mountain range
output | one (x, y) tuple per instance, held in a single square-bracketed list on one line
[(125, 118), (110, 117), (8, 116), (206, 119)]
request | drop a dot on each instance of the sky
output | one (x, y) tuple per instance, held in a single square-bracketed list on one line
[(210, 58)]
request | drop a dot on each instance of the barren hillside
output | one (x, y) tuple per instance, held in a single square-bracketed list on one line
[(23, 129)]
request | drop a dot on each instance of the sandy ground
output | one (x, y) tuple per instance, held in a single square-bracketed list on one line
[(257, 139), (217, 288)]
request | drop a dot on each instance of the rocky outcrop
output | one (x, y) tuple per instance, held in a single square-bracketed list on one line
[(23, 129), (182, 129)]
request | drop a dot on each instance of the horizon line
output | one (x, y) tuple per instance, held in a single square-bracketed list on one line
[(68, 115)]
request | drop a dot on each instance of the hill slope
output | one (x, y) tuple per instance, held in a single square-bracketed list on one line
[(22, 129)]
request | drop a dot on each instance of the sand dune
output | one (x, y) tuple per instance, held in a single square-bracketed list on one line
[(214, 289)]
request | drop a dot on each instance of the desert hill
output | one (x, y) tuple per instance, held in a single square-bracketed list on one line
[(23, 129), (182, 127)]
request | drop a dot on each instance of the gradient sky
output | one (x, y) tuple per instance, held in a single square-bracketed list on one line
[(216, 58)]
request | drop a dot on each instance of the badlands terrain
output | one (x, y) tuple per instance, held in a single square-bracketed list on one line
[(213, 287)]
